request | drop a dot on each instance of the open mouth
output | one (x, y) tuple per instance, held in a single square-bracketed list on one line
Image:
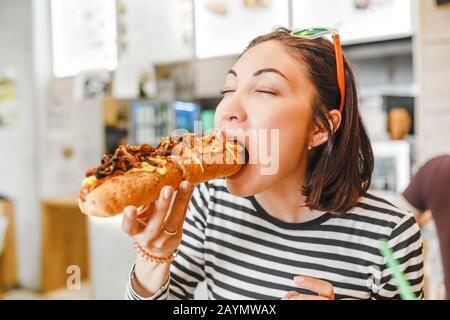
[(244, 154), (245, 158)]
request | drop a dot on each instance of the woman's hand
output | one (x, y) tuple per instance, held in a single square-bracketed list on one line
[(155, 229), (158, 232), (323, 289)]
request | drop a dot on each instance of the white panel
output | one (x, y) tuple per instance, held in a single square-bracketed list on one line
[(84, 36), (382, 19), (229, 33), (154, 31)]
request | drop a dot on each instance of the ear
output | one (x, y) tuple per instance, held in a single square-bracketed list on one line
[(319, 133)]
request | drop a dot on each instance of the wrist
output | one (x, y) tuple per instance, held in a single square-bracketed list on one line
[(155, 258), (149, 277)]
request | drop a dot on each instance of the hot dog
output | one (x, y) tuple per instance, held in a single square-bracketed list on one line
[(135, 175)]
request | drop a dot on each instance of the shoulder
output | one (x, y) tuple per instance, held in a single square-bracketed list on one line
[(373, 217), (384, 213), (376, 204)]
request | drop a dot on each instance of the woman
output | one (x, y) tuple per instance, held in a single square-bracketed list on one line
[(307, 231)]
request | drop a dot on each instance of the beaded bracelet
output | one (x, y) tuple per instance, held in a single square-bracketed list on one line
[(144, 254)]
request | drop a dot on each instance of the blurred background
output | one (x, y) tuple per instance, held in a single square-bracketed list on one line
[(79, 77)]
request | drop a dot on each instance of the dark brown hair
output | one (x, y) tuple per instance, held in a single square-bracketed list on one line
[(339, 171)]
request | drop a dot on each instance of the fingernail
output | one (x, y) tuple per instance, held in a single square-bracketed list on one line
[(185, 186), (129, 212), (299, 279), (167, 192)]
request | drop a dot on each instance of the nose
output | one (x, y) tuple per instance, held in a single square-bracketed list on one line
[(233, 112)]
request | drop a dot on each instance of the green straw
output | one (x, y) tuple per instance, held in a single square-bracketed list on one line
[(402, 284)]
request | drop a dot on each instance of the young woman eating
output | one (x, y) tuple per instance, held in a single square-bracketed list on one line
[(310, 230)]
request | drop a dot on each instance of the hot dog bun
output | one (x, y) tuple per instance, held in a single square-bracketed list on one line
[(136, 175), (135, 188)]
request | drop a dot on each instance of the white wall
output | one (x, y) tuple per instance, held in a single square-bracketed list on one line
[(433, 52), (17, 159)]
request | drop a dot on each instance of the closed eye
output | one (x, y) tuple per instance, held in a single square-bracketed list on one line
[(267, 92), (222, 92)]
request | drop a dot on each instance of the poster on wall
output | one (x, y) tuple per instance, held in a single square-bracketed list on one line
[(150, 32), (219, 28), (83, 36), (357, 20), (8, 102), (68, 149)]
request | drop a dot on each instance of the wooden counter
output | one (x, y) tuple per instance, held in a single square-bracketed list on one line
[(8, 260), (64, 241)]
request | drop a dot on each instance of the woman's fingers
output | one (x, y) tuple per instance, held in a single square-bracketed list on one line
[(174, 222), (294, 295), (162, 206), (130, 225), (144, 213), (147, 223), (306, 297), (321, 287), (289, 295)]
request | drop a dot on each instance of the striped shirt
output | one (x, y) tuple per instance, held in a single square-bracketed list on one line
[(245, 253)]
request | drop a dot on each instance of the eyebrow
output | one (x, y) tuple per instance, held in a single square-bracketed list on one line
[(261, 71)]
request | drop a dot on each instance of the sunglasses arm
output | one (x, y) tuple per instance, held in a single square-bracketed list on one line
[(340, 69)]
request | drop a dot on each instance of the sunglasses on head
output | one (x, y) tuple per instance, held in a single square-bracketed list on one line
[(314, 33)]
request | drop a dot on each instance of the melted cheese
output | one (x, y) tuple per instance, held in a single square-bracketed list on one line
[(161, 170), (89, 181), (145, 167)]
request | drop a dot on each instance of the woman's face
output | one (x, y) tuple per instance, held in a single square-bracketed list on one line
[(265, 91)]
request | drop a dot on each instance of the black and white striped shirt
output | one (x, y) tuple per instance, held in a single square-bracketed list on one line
[(244, 253)]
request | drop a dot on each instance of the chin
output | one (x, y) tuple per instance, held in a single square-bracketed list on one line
[(247, 182), (238, 189)]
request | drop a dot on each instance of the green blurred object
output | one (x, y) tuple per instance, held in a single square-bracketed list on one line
[(207, 117), (402, 284)]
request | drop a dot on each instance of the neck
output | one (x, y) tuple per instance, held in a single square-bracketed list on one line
[(284, 200)]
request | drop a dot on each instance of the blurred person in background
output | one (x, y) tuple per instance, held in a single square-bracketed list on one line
[(428, 195)]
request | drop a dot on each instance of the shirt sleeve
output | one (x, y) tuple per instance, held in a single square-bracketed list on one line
[(406, 244), (187, 269), (414, 193), (161, 294)]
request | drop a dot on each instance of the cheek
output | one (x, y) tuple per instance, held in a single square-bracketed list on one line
[(293, 137), (289, 145), (292, 129), (292, 126)]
